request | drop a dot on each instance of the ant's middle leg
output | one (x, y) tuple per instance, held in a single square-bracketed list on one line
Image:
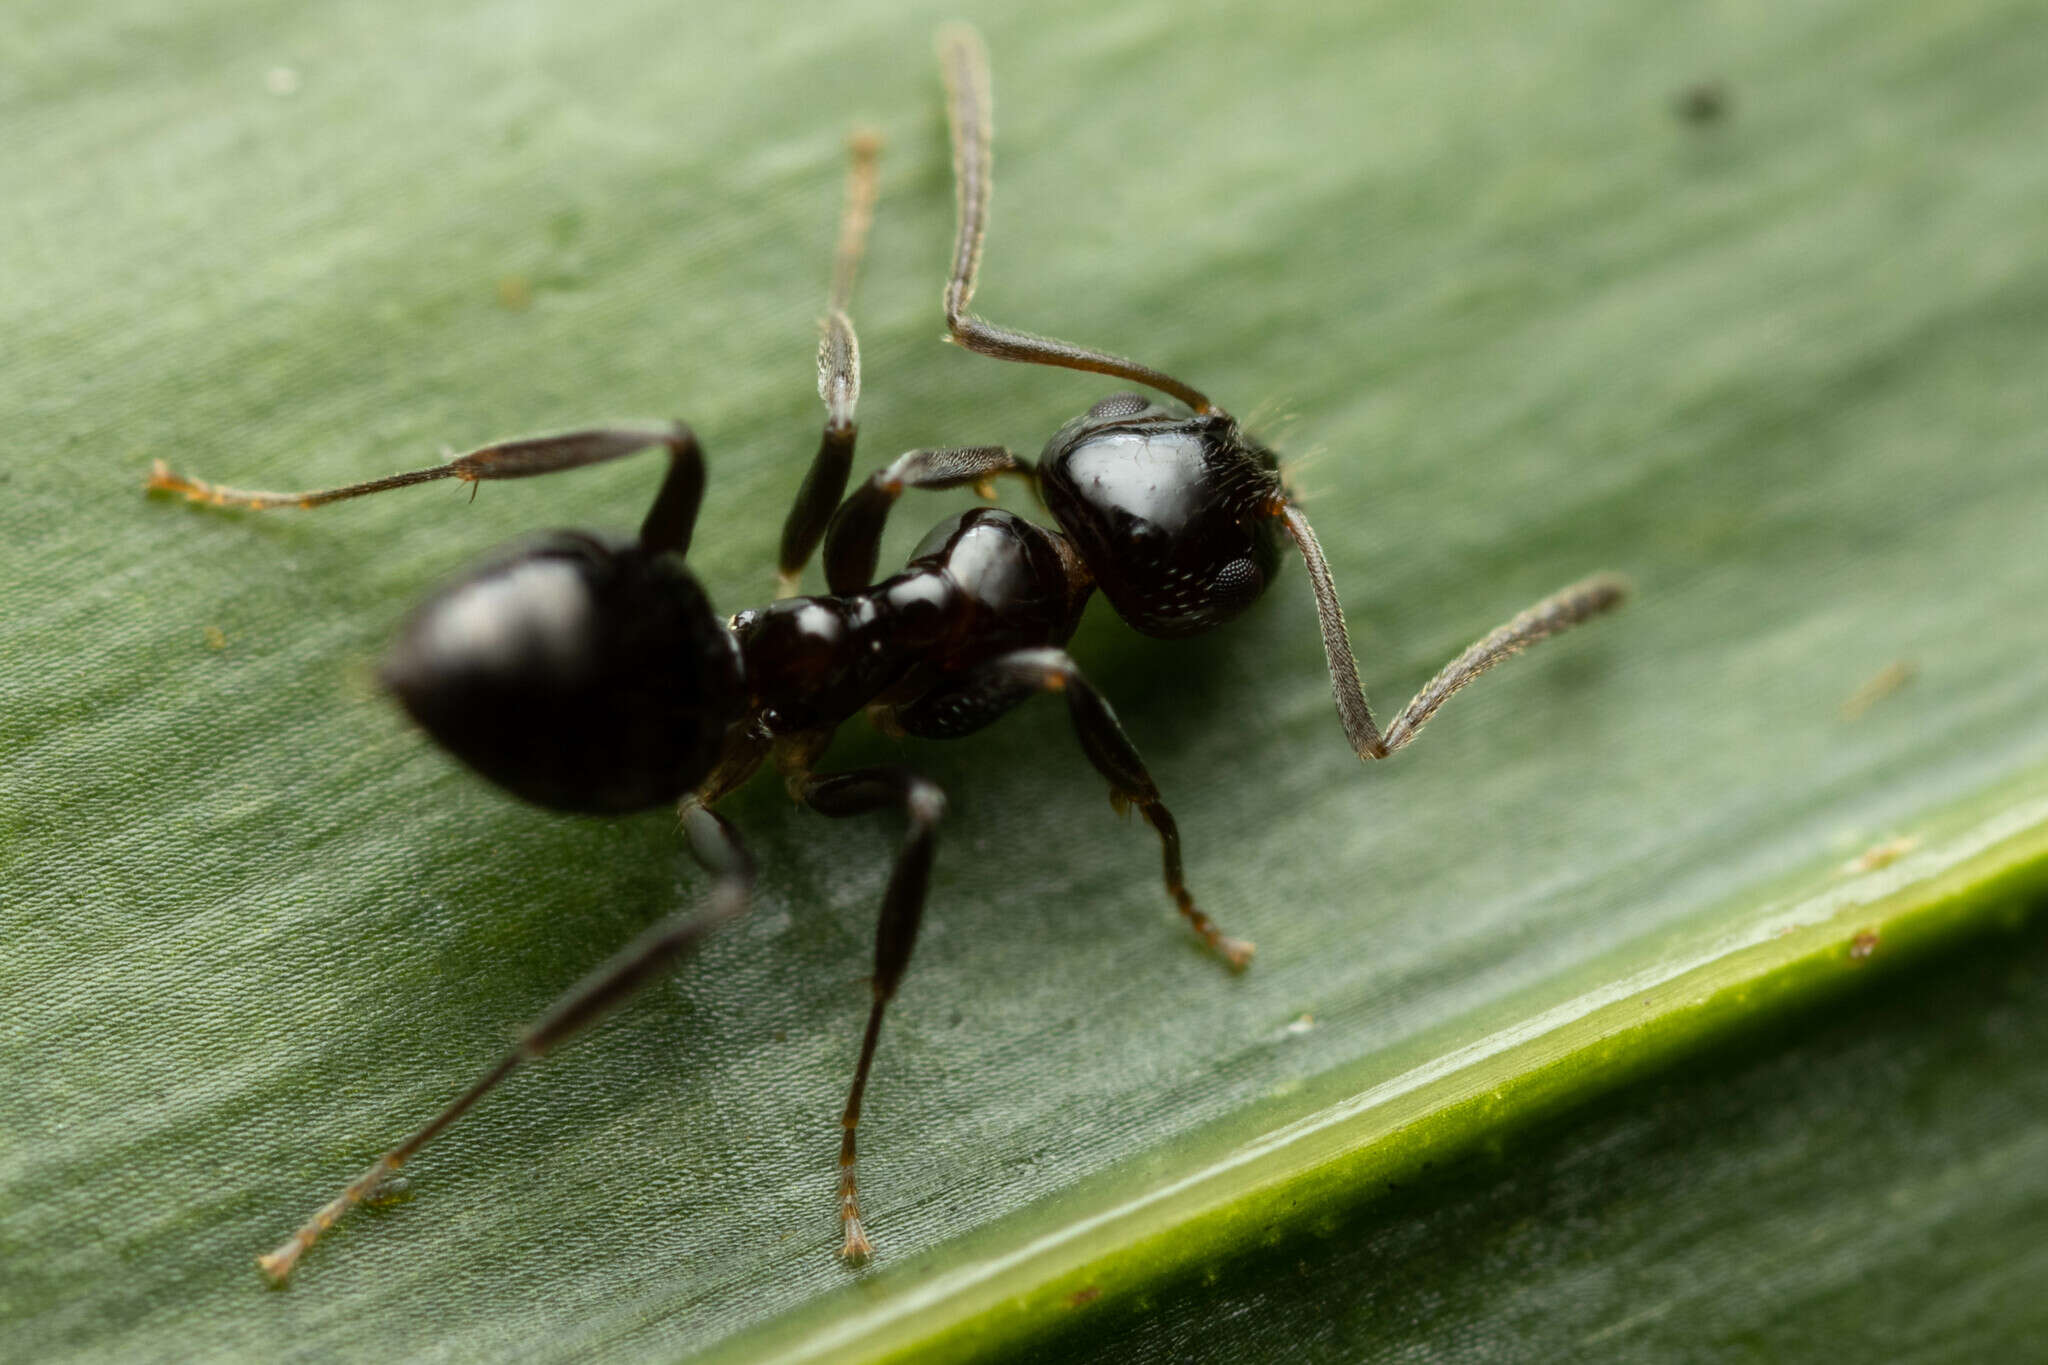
[(838, 377), (924, 805), (854, 542), (966, 701)]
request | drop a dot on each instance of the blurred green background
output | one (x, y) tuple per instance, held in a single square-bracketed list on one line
[(1512, 315)]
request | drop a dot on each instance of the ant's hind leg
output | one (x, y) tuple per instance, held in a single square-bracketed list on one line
[(503, 460), (716, 845), (854, 542), (964, 702), (924, 805), (838, 376)]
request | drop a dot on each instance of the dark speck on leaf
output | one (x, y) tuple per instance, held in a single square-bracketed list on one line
[(1702, 103)]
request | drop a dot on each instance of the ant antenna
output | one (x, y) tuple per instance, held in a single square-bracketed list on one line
[(1558, 612), (970, 103)]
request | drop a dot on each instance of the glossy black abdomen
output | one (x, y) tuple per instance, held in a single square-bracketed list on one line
[(577, 673)]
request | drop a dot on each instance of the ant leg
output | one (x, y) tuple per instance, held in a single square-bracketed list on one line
[(967, 701), (503, 460), (970, 103), (672, 520), (716, 845), (857, 793), (854, 542), (838, 376), (1558, 612)]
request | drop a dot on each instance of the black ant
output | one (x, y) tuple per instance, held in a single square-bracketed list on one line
[(590, 674)]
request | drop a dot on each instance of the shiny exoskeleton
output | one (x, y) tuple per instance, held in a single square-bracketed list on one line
[(591, 674), (1174, 514), (980, 585)]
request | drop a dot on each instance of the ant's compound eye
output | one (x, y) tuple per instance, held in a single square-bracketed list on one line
[(576, 674), (1119, 405), (1236, 586)]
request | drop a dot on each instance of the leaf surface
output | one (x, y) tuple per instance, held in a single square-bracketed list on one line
[(1512, 320)]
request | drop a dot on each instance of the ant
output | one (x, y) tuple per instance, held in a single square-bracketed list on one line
[(590, 674)]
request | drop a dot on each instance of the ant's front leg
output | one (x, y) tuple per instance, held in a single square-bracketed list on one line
[(838, 377), (854, 542), (924, 805), (964, 702), (970, 110)]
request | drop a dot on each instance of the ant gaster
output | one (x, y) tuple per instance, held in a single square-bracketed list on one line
[(591, 674)]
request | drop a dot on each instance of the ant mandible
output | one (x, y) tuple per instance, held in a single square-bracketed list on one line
[(590, 674)]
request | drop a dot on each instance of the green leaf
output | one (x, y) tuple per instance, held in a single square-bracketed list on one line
[(1867, 1186), (1513, 319)]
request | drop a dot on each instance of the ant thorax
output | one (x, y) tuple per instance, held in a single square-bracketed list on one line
[(980, 584)]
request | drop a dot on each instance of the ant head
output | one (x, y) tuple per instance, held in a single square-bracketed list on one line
[(577, 673), (1173, 514)]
